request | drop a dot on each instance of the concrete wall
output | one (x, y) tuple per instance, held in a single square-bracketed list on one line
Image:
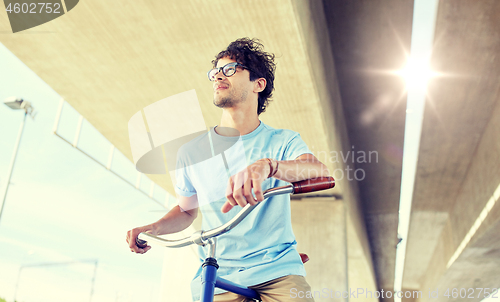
[(319, 226)]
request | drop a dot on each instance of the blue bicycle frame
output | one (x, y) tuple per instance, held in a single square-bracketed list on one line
[(209, 277)]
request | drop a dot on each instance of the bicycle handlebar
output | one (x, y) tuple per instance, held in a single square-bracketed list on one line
[(201, 238)]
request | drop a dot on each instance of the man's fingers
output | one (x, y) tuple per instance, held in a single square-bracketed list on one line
[(131, 240), (257, 189), (128, 236), (239, 189), (239, 182), (229, 193), (143, 250), (238, 196), (226, 207), (247, 191)]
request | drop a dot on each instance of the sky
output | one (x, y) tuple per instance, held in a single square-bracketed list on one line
[(64, 207), (423, 26)]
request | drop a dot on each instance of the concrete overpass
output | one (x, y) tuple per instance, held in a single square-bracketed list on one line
[(111, 59)]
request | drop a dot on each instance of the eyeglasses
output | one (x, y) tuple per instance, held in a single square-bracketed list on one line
[(227, 70)]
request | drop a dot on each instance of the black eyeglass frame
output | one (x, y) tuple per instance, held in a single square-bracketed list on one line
[(235, 64)]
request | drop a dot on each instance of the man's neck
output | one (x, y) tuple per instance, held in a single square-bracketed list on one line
[(240, 120)]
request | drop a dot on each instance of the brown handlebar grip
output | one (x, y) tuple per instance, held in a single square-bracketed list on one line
[(313, 184), (141, 243)]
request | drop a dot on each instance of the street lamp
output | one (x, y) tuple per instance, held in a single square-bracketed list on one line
[(16, 104)]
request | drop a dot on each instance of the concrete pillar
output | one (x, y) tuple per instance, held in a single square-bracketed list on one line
[(319, 225)]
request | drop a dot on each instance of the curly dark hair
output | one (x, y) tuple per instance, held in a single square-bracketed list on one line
[(249, 52)]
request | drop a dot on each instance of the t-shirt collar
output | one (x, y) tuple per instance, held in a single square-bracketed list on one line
[(243, 137)]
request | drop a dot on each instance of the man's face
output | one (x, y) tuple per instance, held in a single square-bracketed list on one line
[(230, 91)]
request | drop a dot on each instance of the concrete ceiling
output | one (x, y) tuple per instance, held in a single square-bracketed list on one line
[(111, 59), (109, 66)]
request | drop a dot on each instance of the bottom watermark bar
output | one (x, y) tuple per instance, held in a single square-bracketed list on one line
[(353, 293)]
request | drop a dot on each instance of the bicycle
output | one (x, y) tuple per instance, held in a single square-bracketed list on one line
[(209, 277)]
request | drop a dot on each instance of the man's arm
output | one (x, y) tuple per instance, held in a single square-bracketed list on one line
[(303, 167), (174, 221), (239, 189)]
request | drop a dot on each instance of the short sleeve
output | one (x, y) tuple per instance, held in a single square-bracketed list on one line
[(295, 147)]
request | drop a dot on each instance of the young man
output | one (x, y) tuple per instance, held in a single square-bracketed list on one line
[(260, 252)]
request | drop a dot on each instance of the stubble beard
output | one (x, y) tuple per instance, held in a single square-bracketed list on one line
[(225, 102), (229, 101)]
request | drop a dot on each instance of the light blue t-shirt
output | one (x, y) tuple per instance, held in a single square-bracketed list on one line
[(262, 246)]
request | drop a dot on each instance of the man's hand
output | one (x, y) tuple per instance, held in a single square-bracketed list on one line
[(132, 236), (239, 188), (174, 221)]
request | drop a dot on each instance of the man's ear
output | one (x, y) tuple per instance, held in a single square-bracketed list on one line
[(259, 85)]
